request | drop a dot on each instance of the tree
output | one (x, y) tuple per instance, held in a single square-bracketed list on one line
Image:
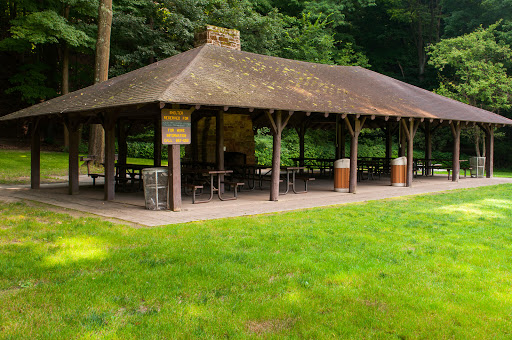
[(473, 70), (97, 134), (424, 20)]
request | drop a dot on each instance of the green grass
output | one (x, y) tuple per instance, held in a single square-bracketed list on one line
[(431, 266), (15, 166)]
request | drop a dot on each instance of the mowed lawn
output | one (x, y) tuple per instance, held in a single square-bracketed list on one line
[(431, 266), (15, 166)]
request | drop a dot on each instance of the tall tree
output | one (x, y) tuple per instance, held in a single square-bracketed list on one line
[(97, 134), (424, 20), (473, 69)]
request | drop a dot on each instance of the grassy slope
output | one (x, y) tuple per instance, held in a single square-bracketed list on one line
[(433, 266)]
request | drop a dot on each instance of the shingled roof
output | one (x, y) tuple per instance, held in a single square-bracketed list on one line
[(216, 76)]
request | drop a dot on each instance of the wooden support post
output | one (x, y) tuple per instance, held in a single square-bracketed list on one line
[(455, 126), (354, 125), (278, 126), (35, 156), (489, 151), (219, 133), (157, 142), (110, 158), (174, 168), (74, 167), (428, 148), (410, 132)]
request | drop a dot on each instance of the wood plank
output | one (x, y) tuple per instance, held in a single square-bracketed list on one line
[(489, 152), (74, 167), (428, 148), (110, 150), (276, 155), (455, 126), (174, 168), (219, 151)]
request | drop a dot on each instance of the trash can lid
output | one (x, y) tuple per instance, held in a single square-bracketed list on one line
[(399, 161), (343, 163), (157, 169)]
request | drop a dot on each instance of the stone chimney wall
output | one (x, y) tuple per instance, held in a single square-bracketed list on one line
[(218, 36)]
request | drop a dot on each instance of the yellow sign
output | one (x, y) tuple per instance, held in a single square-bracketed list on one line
[(176, 126)]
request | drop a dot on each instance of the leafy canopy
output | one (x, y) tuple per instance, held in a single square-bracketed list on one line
[(473, 69)]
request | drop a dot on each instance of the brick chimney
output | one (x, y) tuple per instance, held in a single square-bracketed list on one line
[(218, 36)]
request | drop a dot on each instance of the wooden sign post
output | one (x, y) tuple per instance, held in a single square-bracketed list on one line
[(176, 130)]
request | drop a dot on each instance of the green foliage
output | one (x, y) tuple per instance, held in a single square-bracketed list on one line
[(31, 82), (473, 69), (48, 27)]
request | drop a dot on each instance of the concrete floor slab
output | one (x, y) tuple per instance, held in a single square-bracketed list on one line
[(129, 207)]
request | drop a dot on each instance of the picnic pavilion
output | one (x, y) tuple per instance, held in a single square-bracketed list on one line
[(228, 91)]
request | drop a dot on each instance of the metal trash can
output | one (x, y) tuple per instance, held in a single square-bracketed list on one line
[(155, 188), (341, 175), (398, 171), (477, 165)]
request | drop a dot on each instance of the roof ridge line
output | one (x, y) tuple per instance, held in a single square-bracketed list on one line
[(182, 73)]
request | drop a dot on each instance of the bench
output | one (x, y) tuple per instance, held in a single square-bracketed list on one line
[(87, 161), (306, 179), (194, 189), (464, 168), (234, 184)]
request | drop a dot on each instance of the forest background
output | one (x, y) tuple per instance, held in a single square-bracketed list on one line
[(457, 48)]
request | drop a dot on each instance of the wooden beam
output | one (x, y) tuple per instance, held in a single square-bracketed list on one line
[(355, 130), (410, 132), (35, 156), (174, 177), (276, 155), (219, 150), (73, 127), (110, 150), (349, 126), (428, 148), (455, 127), (489, 152)]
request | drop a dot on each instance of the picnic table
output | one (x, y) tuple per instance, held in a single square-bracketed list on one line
[(215, 181), (291, 177), (129, 173)]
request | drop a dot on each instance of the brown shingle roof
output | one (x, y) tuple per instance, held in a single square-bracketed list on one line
[(216, 76)]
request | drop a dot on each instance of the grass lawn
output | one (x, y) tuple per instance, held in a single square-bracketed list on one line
[(431, 266), (15, 166)]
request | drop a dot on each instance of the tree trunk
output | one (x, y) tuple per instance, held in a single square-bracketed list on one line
[(65, 76), (97, 134)]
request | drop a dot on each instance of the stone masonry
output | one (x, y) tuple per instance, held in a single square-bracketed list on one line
[(238, 137), (218, 36)]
